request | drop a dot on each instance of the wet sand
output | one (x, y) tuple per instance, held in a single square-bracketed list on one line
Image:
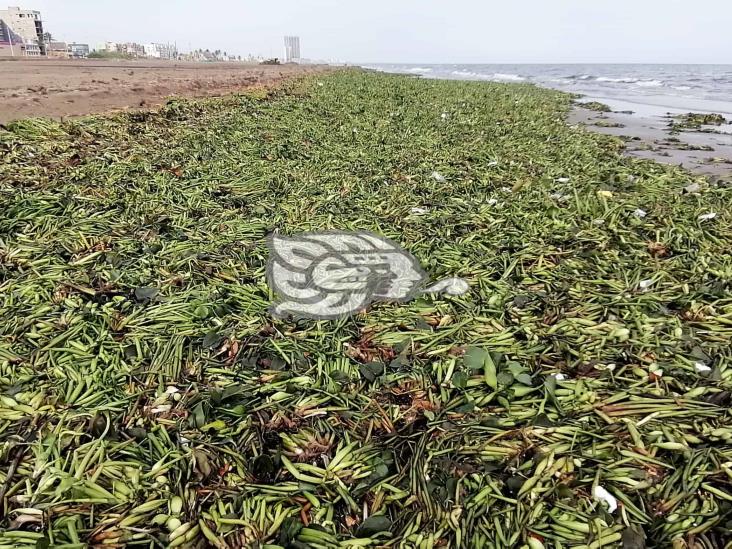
[(65, 88), (647, 134)]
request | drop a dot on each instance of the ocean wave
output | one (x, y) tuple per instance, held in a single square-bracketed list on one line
[(682, 88), (649, 83), (508, 76), (616, 80), (468, 74), (418, 69)]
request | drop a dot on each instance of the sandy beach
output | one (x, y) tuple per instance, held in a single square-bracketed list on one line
[(61, 88)]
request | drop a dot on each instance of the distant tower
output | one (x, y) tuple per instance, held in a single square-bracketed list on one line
[(292, 48)]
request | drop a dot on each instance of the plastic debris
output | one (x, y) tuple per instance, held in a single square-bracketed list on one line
[(645, 284), (701, 367), (639, 213), (437, 176), (598, 492), (707, 216), (562, 180), (419, 211)]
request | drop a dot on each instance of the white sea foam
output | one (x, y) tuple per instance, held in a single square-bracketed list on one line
[(618, 80), (418, 69), (649, 83), (508, 76)]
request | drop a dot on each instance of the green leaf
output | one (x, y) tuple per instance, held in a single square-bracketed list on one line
[(524, 379), (460, 380), (371, 370), (212, 339), (474, 358), (505, 379), (373, 525), (146, 294)]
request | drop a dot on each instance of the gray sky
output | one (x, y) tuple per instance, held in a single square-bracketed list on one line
[(418, 31)]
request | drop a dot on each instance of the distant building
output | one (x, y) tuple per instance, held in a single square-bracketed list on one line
[(133, 49), (108, 46), (13, 45), (161, 51), (292, 48), (79, 50), (28, 25), (58, 50)]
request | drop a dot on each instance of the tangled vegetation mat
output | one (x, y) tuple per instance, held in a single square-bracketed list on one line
[(577, 396)]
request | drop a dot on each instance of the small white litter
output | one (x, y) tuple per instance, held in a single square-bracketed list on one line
[(701, 367), (492, 201), (707, 216), (419, 211), (161, 409), (559, 376), (645, 284), (562, 180), (506, 189), (640, 214), (437, 176), (598, 492), (492, 163), (693, 188)]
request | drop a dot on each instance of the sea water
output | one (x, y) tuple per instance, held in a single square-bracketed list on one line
[(646, 89)]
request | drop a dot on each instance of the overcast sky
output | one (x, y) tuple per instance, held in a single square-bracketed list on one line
[(417, 31)]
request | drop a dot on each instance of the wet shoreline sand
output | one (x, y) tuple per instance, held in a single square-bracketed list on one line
[(647, 134)]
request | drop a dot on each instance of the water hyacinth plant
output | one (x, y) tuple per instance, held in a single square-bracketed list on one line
[(576, 396)]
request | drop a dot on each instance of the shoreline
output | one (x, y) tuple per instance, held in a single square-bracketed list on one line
[(645, 131), (707, 153)]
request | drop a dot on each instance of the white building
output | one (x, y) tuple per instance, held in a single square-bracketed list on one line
[(28, 25), (292, 49), (161, 51)]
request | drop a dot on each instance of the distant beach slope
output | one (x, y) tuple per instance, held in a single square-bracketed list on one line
[(577, 395), (63, 88)]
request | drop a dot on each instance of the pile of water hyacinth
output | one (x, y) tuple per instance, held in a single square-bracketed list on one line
[(576, 396)]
